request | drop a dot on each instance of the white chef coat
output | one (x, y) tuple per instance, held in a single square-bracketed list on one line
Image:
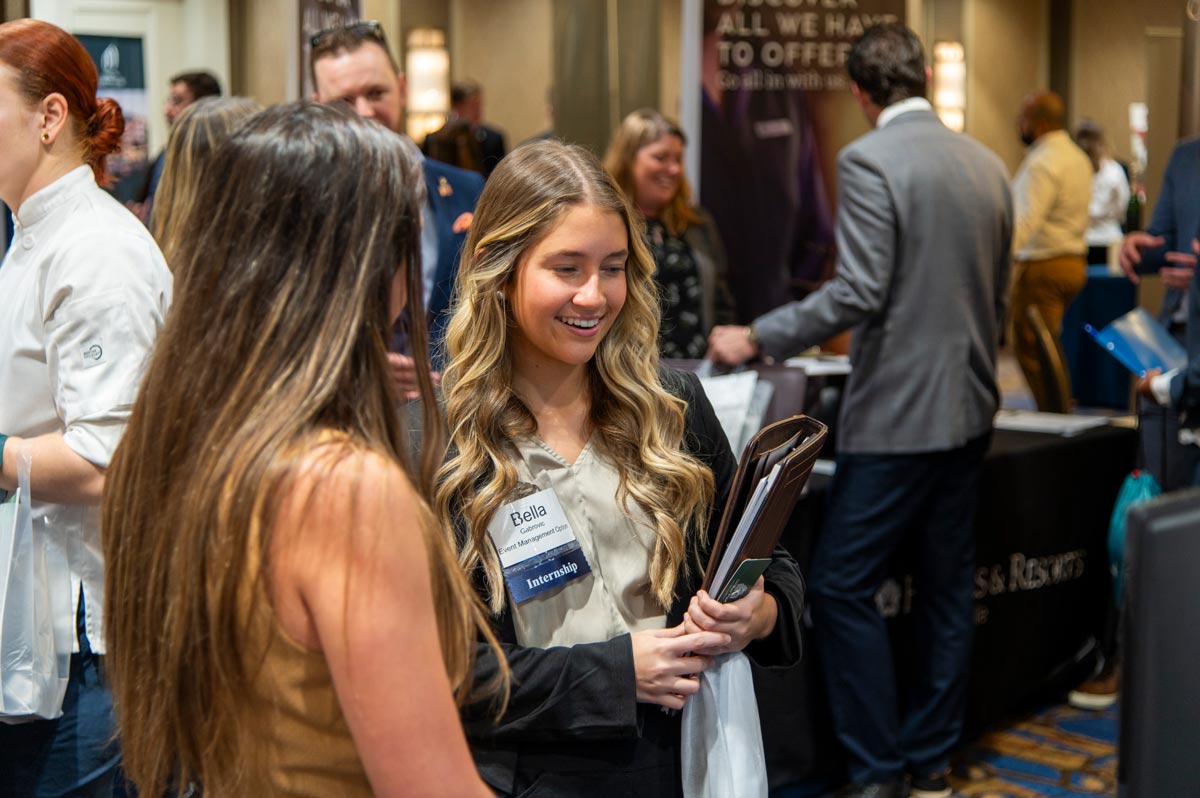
[(84, 290)]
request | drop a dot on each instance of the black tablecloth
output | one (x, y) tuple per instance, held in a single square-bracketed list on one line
[(1042, 588)]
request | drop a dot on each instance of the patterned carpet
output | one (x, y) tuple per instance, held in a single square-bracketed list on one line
[(1058, 753)]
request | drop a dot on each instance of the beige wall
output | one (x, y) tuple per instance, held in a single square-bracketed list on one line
[(1109, 44), (507, 48), (265, 42), (387, 12), (670, 46), (1006, 44)]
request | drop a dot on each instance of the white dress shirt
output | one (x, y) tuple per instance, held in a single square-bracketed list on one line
[(1109, 203), (902, 107), (1051, 193), (85, 290)]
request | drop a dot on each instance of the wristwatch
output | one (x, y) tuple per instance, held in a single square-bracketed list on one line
[(752, 337)]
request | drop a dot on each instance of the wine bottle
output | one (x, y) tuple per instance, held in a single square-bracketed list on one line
[(1133, 213)]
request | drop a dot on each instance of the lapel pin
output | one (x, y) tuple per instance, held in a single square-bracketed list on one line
[(444, 187)]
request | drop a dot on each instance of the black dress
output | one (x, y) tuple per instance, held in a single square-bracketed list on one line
[(681, 333)]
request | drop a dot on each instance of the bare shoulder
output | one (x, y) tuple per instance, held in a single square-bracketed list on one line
[(341, 484), (345, 515)]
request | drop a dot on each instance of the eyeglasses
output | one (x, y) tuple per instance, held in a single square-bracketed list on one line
[(354, 32)]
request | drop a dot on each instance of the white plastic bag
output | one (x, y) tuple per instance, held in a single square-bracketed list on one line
[(35, 645), (722, 741)]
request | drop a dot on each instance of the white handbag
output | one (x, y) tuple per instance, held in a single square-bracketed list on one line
[(722, 744), (35, 626)]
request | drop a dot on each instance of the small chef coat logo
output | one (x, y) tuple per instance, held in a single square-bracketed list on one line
[(93, 353)]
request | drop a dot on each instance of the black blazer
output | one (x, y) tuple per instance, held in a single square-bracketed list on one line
[(573, 726)]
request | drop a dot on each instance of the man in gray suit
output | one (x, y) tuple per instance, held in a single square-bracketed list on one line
[(924, 225)]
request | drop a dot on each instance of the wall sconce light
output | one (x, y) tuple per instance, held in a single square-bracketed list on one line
[(950, 84), (427, 66)]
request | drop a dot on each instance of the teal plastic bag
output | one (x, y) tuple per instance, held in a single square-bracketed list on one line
[(1139, 487)]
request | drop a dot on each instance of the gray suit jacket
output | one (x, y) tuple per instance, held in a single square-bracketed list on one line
[(924, 229)]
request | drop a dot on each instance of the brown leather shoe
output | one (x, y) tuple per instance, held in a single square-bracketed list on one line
[(1097, 693)]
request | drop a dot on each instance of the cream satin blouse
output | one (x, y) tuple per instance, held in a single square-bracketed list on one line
[(618, 542)]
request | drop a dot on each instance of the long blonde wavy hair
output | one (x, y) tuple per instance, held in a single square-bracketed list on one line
[(198, 132), (637, 423), (639, 129), (277, 337)]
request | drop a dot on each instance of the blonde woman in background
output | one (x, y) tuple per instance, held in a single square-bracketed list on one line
[(554, 397), (85, 290), (645, 158), (286, 619), (199, 130)]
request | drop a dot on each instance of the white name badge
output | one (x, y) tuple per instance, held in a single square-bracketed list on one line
[(537, 547)]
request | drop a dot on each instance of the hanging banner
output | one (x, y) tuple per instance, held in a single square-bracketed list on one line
[(773, 45), (120, 62), (316, 16), (773, 73)]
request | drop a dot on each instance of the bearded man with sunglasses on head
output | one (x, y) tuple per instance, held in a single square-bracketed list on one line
[(353, 65)]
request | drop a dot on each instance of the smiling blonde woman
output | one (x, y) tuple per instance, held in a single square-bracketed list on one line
[(568, 438)]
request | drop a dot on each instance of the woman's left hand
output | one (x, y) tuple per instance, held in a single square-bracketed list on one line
[(750, 618)]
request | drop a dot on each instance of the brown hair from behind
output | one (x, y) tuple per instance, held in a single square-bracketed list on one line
[(48, 60), (197, 134), (1090, 138), (276, 337)]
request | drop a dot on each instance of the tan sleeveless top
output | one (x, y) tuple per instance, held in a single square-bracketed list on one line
[(307, 746)]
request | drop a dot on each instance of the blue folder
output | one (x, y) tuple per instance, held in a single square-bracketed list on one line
[(1140, 343)]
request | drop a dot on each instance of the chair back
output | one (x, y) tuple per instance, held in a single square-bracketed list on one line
[(1056, 380)]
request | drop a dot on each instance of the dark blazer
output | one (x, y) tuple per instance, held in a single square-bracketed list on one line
[(491, 141), (477, 148), (705, 243), (1177, 219), (1176, 216), (573, 726), (452, 192)]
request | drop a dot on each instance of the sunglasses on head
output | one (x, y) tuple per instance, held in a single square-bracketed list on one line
[(358, 31)]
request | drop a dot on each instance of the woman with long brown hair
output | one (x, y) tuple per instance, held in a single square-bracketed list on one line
[(285, 617), (585, 484), (84, 291)]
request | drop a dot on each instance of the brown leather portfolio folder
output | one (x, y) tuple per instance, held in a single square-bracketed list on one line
[(793, 444)]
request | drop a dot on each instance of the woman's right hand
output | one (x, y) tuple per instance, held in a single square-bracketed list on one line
[(665, 666)]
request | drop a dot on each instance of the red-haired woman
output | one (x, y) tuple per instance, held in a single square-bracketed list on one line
[(85, 290)]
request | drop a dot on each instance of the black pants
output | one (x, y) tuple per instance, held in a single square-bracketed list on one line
[(876, 502)]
